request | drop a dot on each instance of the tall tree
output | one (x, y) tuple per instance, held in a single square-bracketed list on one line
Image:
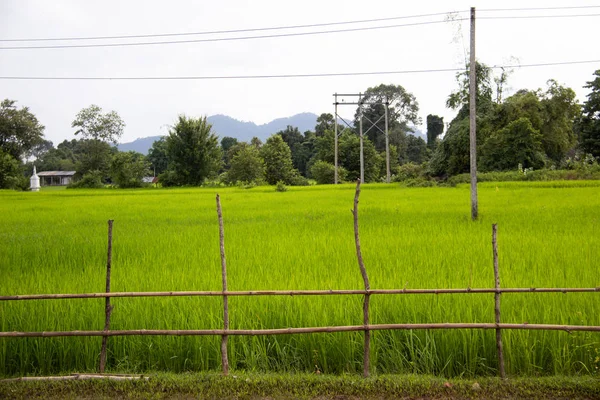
[(590, 125), (93, 124), (435, 127), (403, 109), (193, 151), (278, 160), (157, 156), (325, 122), (20, 130), (226, 144)]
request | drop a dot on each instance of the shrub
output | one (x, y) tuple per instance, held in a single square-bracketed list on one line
[(324, 172), (409, 171), (280, 187), (91, 180)]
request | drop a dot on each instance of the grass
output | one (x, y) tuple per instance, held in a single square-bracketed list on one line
[(549, 236), (306, 386)]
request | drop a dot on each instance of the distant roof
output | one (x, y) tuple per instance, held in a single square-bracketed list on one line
[(150, 179), (56, 173)]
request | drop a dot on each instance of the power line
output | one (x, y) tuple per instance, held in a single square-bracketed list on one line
[(317, 75), (534, 8), (220, 32), (540, 16), (71, 46)]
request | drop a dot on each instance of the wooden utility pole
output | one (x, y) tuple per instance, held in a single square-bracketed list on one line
[(387, 145), (473, 119), (362, 157)]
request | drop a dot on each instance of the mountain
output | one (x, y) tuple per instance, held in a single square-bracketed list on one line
[(224, 125), (244, 131)]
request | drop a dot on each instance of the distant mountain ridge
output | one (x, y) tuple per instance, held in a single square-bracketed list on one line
[(244, 131)]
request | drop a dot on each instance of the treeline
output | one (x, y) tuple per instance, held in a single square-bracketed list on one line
[(544, 129)]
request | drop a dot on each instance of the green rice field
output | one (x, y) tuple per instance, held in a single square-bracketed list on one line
[(168, 240)]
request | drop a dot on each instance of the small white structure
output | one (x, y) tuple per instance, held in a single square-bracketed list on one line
[(56, 178), (34, 181)]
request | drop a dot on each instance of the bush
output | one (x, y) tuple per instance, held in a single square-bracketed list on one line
[(324, 172), (409, 171), (298, 180), (419, 182), (280, 187), (169, 178), (91, 180)]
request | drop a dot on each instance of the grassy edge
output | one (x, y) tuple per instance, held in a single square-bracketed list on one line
[(259, 385)]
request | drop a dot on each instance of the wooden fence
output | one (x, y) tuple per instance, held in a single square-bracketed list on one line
[(367, 292)]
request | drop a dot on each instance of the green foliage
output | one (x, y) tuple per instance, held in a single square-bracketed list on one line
[(518, 143), (90, 180), (193, 152), (128, 168), (94, 155), (403, 109), (246, 165), (324, 173), (226, 144), (590, 124), (278, 160), (9, 171), (93, 124), (20, 131), (325, 122), (459, 99), (451, 157), (157, 156), (416, 149), (435, 127), (280, 187), (409, 171)]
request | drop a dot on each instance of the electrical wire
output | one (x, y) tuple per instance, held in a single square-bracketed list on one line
[(316, 75), (220, 32), (71, 46)]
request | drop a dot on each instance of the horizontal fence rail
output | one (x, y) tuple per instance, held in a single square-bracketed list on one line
[(366, 327), (291, 331), (294, 293)]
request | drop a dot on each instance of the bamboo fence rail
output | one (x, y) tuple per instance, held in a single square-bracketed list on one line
[(367, 328)]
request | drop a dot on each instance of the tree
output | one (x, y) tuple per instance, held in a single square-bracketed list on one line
[(324, 172), (93, 124), (20, 131), (157, 156), (416, 149), (128, 168), (459, 99), (435, 127), (590, 124), (278, 160), (325, 122), (246, 164), (9, 171), (94, 155), (227, 143), (193, 151), (517, 143), (403, 109)]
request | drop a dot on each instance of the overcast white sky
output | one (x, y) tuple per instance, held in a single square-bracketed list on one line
[(148, 107)]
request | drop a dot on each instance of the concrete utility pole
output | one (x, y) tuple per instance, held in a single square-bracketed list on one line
[(473, 119), (362, 157), (387, 145), (335, 141)]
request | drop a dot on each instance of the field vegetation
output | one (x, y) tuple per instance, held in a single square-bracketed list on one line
[(167, 240)]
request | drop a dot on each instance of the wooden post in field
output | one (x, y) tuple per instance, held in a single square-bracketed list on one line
[(363, 271), (224, 358), (497, 302), (107, 307)]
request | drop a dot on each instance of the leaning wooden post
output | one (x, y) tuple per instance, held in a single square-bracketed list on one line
[(497, 301), (363, 271), (224, 358), (107, 307)]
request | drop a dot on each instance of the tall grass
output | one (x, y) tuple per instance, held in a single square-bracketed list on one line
[(55, 242)]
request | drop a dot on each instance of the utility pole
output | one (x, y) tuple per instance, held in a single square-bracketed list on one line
[(387, 144), (473, 119), (335, 141), (362, 157)]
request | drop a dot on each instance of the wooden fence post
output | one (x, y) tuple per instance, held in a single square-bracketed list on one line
[(224, 358), (497, 302), (363, 271), (107, 306)]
